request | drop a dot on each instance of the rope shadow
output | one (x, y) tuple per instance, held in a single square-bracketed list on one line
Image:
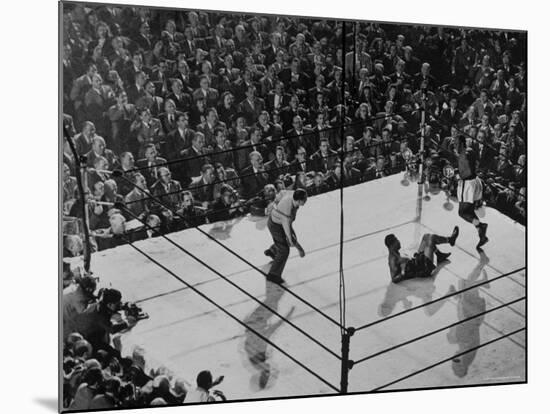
[(256, 348), (468, 334), (423, 289)]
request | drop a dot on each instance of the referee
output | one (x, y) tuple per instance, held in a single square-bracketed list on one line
[(279, 224)]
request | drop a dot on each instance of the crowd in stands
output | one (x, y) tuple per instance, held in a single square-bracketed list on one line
[(95, 374), (207, 116), (213, 113)]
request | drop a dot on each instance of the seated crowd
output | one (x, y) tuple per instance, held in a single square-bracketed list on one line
[(186, 118), (95, 374), (205, 116)]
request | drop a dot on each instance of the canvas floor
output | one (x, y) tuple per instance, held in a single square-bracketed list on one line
[(187, 334)]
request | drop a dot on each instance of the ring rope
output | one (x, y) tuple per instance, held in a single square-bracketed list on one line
[(449, 359), (418, 338), (239, 177), (202, 262), (267, 340), (160, 202), (368, 325), (274, 141)]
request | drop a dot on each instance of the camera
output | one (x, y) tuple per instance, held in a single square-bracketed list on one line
[(134, 311)]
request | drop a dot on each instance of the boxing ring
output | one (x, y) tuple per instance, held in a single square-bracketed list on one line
[(464, 326)]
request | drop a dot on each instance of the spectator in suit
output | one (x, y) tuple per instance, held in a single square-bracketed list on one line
[(70, 189), (484, 73), (168, 191), (353, 154), (289, 112), (318, 88), (270, 132), (150, 100), (198, 112), (180, 138), (198, 157), (254, 177), (134, 69), (224, 175), (99, 150), (301, 163), (96, 102), (202, 188), (181, 99), (209, 126), (136, 88), (517, 123), (482, 105), (412, 63), (381, 167), (300, 136), (253, 145), (424, 77), (251, 107), (268, 81), (369, 144), (97, 174), (206, 92), (227, 111), (121, 116), (169, 117), (81, 85), (319, 185), (463, 60), (227, 205), (400, 77), (143, 39), (324, 159), (294, 79), (150, 164), (221, 152), (451, 115), (449, 143), (126, 164), (271, 51), (520, 172), (278, 166), (83, 140), (145, 130), (136, 200), (515, 146), (276, 98), (191, 214), (378, 80)]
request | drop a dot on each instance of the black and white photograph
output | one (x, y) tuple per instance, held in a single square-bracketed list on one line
[(260, 206)]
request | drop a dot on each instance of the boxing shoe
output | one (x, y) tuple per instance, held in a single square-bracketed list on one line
[(275, 279), (441, 257), (483, 239), (454, 235)]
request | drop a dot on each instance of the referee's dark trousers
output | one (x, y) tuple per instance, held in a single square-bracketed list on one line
[(280, 248)]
